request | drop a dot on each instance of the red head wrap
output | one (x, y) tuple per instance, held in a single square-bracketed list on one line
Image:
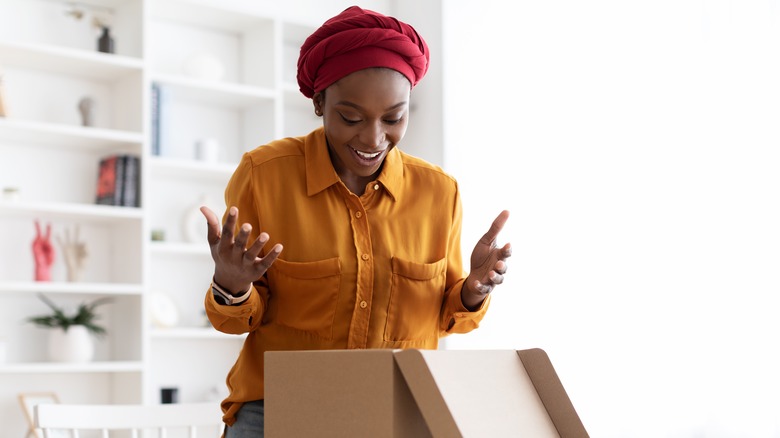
[(357, 39)]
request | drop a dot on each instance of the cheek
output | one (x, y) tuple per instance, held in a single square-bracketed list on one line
[(336, 132), (396, 133)]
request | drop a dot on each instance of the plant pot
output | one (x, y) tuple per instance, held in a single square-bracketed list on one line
[(74, 345)]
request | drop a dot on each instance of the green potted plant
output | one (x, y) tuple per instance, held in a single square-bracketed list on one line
[(71, 340)]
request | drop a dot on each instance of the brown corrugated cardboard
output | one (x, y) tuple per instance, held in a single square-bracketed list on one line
[(416, 393), (338, 393)]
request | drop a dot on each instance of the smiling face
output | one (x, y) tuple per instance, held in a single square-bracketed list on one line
[(365, 115)]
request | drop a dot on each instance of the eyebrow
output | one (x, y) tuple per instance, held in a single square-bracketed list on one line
[(358, 107)]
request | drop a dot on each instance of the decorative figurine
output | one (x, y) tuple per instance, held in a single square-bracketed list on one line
[(43, 252), (102, 21), (75, 253), (87, 110), (106, 41)]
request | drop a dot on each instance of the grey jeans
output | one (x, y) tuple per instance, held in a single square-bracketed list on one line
[(250, 420)]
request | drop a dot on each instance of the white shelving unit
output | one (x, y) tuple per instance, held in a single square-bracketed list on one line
[(49, 61)]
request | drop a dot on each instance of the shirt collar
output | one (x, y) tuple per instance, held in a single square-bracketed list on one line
[(320, 173)]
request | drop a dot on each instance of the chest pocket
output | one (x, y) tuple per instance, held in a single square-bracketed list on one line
[(416, 296), (304, 295)]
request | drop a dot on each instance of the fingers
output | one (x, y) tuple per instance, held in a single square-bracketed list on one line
[(481, 288), (235, 262), (496, 227), (241, 238), (493, 280), (253, 251), (506, 251), (495, 277), (37, 228), (227, 229), (269, 258), (252, 254), (212, 224)]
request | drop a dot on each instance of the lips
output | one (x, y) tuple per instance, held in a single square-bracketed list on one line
[(366, 155), (367, 158)]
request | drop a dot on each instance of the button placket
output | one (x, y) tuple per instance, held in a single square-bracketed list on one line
[(358, 333)]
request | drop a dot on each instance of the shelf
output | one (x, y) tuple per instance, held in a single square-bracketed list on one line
[(91, 65), (81, 212), (205, 13), (75, 137), (193, 333), (108, 4), (224, 94), (170, 248), (175, 168), (90, 367), (55, 287)]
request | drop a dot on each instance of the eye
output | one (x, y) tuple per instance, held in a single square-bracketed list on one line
[(348, 120), (393, 118)]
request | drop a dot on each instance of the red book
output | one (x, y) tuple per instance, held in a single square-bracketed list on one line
[(110, 178)]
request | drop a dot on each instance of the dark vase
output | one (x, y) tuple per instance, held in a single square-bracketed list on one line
[(106, 42)]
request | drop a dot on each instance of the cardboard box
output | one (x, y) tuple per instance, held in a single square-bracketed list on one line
[(416, 393)]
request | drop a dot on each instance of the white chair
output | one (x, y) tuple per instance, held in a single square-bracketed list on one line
[(166, 420)]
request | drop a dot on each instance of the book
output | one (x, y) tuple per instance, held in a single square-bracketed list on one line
[(110, 180), (158, 112), (118, 181), (155, 112), (130, 183)]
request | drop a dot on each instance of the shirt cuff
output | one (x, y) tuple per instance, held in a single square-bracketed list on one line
[(246, 307)]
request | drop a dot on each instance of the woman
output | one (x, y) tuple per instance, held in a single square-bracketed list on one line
[(371, 236)]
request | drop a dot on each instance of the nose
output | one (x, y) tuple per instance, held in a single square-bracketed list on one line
[(373, 135)]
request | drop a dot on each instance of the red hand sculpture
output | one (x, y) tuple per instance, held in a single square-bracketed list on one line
[(43, 251)]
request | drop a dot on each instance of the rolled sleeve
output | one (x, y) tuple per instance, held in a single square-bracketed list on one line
[(238, 319), (459, 319)]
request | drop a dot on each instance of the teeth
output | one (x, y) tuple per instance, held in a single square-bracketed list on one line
[(368, 156)]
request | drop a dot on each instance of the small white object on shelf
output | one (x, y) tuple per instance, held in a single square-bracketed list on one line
[(11, 194), (163, 311), (194, 223), (207, 150), (74, 345), (204, 66)]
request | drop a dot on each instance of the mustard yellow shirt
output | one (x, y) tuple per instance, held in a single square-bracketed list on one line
[(381, 270)]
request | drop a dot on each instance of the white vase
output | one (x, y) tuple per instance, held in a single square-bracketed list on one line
[(74, 345)]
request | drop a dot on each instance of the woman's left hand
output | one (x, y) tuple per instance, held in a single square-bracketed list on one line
[(488, 265)]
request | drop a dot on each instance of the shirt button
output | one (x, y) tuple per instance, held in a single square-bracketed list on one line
[(364, 256), (376, 186), (363, 304), (358, 214)]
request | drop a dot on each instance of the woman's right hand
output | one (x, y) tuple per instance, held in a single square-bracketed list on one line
[(236, 266)]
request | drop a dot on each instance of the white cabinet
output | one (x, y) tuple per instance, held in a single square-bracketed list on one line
[(218, 72), (226, 69), (220, 69)]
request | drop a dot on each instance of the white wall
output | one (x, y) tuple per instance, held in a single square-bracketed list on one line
[(426, 122), (637, 146)]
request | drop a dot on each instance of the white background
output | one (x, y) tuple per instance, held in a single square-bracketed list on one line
[(637, 146)]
